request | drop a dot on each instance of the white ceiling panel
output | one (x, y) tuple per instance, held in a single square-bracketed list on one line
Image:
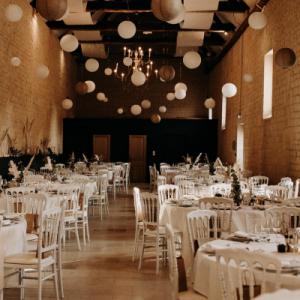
[(83, 18), (94, 50), (190, 38), (86, 35), (76, 6), (198, 5), (195, 20)]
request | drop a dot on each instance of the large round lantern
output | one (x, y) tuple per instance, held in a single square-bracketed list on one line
[(192, 59), (81, 88), (178, 19), (126, 29), (155, 118), (180, 86), (170, 96), (285, 57), (108, 71), (13, 13), (52, 9), (167, 73), (101, 96), (257, 20), (120, 110), (127, 61), (42, 71), (15, 61), (91, 86), (180, 94), (138, 78), (92, 65), (146, 104), (229, 90), (69, 43), (167, 10), (136, 109), (67, 103), (162, 109)]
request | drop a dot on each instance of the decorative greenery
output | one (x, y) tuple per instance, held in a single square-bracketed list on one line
[(236, 189)]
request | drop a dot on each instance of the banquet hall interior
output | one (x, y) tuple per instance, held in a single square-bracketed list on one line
[(150, 149)]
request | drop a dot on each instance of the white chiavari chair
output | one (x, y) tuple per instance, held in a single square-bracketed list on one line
[(168, 192), (276, 192), (138, 221), (258, 185), (14, 198), (222, 189), (161, 180), (289, 184), (186, 187), (178, 178), (296, 191)]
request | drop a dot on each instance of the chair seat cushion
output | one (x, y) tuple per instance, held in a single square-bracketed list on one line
[(26, 258), (31, 237)]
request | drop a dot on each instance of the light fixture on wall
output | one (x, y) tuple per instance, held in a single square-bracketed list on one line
[(210, 103)]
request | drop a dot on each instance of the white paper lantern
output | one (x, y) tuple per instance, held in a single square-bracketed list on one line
[(105, 99), (247, 77), (69, 43), (126, 29), (192, 59), (146, 104), (209, 103), (127, 61), (257, 20), (138, 78), (178, 19), (92, 65), (91, 86), (229, 90), (108, 71), (42, 71), (13, 13), (15, 61), (161, 79), (170, 96), (166, 10), (136, 109), (162, 109), (67, 103), (180, 94), (180, 86), (120, 110), (101, 96)]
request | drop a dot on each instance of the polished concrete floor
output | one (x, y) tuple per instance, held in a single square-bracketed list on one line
[(104, 268)]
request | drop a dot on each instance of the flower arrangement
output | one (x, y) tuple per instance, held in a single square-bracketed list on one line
[(236, 188), (13, 169)]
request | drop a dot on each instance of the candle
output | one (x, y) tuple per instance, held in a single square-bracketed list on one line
[(124, 51)]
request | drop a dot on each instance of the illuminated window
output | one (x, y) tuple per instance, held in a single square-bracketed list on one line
[(223, 123), (268, 85)]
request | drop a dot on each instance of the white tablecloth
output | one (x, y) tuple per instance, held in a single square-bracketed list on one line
[(243, 219), (12, 241)]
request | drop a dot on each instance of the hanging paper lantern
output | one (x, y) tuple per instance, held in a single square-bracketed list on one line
[(120, 110), (155, 118), (138, 78), (180, 86), (101, 96), (13, 13), (15, 61), (257, 20), (209, 103), (170, 96), (192, 59), (161, 79), (126, 29), (167, 10), (91, 86), (162, 109), (52, 10), (136, 110), (179, 18), (92, 65), (285, 57), (105, 99), (247, 77), (108, 71), (180, 94), (146, 104), (167, 73), (229, 90), (81, 88), (69, 43), (127, 61), (42, 71), (67, 103)]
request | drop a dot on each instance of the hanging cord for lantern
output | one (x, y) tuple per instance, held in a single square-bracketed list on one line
[(241, 78)]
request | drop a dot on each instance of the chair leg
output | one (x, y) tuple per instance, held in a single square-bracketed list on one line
[(100, 207), (87, 231), (157, 254), (142, 253), (21, 282), (83, 233), (59, 262), (135, 242), (77, 236), (55, 281), (1, 294), (40, 282)]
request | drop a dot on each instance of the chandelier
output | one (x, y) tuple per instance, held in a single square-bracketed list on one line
[(138, 66)]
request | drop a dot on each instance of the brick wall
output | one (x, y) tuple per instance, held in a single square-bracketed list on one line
[(23, 95), (272, 146), (155, 91)]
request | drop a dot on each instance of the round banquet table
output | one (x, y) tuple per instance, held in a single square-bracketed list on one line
[(12, 241), (205, 276), (243, 219)]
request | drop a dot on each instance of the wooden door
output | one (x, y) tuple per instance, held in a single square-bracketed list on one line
[(138, 157), (101, 146)]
